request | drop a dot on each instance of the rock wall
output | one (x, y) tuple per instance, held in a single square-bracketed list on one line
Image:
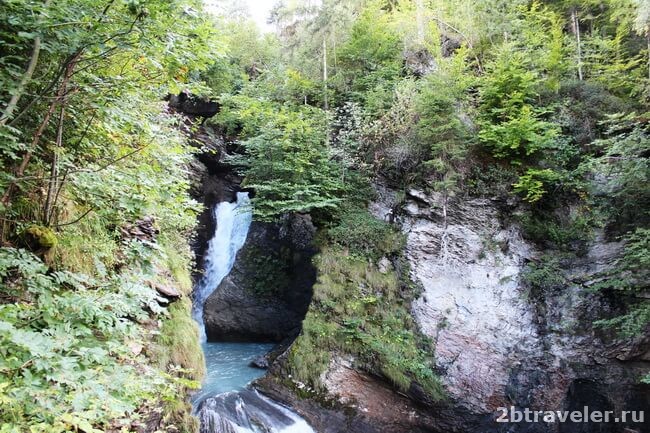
[(499, 345), (267, 293), (213, 180)]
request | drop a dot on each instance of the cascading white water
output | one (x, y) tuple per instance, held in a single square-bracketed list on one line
[(243, 411), (248, 412), (233, 221)]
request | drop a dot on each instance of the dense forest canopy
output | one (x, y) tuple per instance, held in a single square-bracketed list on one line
[(541, 102)]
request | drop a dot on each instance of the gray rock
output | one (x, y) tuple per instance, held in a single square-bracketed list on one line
[(384, 266), (193, 105), (261, 362), (495, 343), (267, 293)]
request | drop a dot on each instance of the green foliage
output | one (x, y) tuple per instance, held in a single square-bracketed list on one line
[(542, 37), (584, 110), (85, 150), (493, 180), (544, 275), (626, 168), (535, 183), (563, 233), (287, 161), (391, 142), (359, 310), (371, 59), (632, 271), (67, 345), (440, 107), (511, 127), (364, 235), (629, 279)]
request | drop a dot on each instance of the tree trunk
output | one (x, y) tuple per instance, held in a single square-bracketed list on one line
[(31, 67), (647, 38), (419, 17), (53, 184), (325, 102), (20, 171), (576, 30)]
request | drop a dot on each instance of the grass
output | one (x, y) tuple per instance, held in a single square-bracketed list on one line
[(87, 247), (90, 248), (358, 310), (177, 349)]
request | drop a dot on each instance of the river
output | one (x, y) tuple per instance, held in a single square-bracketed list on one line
[(225, 403)]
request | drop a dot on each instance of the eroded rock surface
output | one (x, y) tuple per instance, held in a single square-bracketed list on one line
[(267, 293), (498, 344), (471, 306)]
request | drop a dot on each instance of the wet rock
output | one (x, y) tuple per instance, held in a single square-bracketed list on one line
[(213, 181), (193, 105), (261, 362), (247, 411), (267, 293)]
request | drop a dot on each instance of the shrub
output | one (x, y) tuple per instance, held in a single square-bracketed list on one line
[(511, 127), (67, 343), (535, 183), (552, 231), (630, 280), (544, 275), (364, 235)]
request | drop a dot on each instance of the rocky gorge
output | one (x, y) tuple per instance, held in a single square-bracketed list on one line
[(499, 342), (333, 216)]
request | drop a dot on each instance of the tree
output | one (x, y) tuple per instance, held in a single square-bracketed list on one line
[(442, 103), (642, 25), (510, 125), (371, 60), (288, 162)]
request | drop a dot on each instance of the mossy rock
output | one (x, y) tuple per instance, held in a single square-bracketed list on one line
[(39, 237)]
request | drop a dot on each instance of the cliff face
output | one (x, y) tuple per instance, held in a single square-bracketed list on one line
[(499, 343), (267, 293)]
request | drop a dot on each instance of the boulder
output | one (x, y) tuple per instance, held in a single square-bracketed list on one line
[(267, 293)]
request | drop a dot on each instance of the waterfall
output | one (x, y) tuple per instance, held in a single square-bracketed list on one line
[(241, 411), (232, 223)]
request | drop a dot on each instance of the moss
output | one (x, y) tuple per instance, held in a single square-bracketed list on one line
[(358, 310), (365, 235), (177, 349), (269, 270), (178, 260), (179, 413), (178, 342), (40, 236), (87, 247)]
